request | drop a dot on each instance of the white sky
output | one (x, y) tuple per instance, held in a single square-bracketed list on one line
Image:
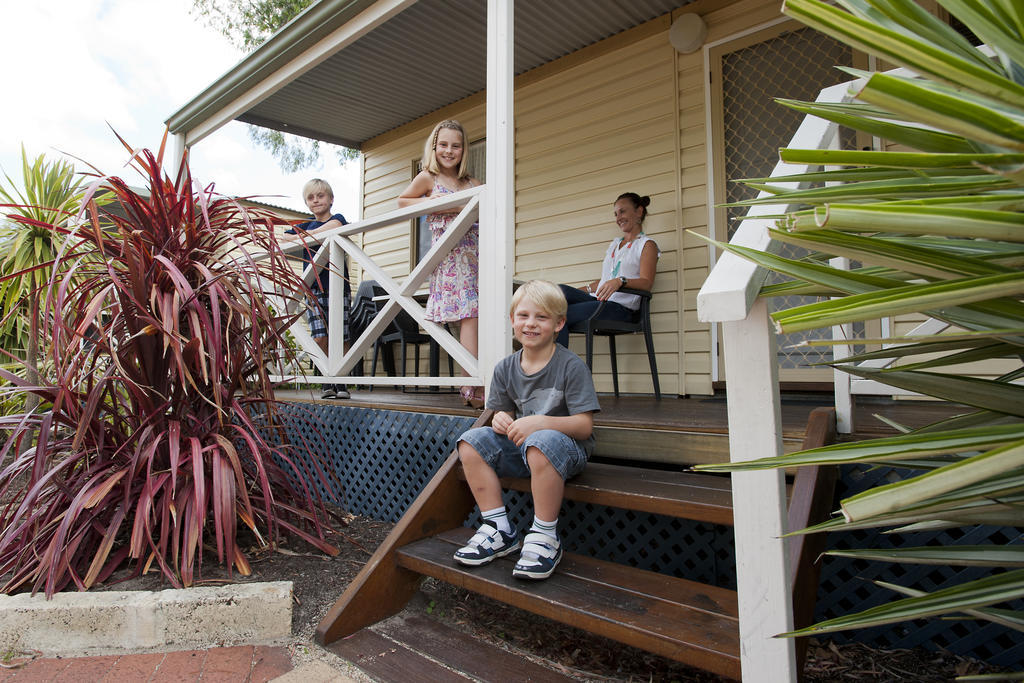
[(71, 67)]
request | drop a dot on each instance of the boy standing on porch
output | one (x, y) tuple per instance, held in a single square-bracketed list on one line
[(544, 400), (319, 198)]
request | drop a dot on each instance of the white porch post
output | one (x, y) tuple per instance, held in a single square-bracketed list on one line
[(759, 499), (177, 149), (497, 215)]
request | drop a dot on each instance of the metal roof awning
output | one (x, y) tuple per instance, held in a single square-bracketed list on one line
[(346, 71)]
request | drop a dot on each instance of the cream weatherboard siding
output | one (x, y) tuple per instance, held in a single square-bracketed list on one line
[(692, 78), (584, 136), (626, 114)]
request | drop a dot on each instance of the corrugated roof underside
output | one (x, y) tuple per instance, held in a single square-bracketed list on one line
[(431, 55)]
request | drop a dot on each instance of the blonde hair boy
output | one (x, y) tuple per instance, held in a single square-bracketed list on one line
[(317, 185), (543, 400), (546, 295)]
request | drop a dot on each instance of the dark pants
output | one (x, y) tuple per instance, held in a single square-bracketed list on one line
[(582, 306)]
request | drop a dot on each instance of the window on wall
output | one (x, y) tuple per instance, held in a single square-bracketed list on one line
[(421, 239)]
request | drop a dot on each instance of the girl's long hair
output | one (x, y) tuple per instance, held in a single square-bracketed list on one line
[(429, 161)]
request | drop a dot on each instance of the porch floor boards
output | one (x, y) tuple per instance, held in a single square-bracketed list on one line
[(700, 413)]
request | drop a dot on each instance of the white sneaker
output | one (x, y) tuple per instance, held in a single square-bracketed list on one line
[(487, 544), (541, 554)]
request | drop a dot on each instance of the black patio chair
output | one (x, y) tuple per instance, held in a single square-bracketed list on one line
[(362, 311), (641, 322)]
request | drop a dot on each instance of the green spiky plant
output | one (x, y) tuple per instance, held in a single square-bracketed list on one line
[(13, 334), (51, 194), (938, 228), (158, 442)]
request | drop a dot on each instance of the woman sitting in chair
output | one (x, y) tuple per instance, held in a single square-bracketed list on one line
[(630, 261)]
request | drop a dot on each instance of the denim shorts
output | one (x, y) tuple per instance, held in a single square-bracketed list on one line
[(509, 460)]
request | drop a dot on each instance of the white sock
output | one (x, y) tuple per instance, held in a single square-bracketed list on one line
[(498, 517), (543, 527)]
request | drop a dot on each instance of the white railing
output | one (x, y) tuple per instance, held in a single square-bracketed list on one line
[(847, 386), (335, 244)]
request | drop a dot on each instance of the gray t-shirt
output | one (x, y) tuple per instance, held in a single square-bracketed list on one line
[(563, 387)]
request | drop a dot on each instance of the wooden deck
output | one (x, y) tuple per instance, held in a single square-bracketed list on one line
[(702, 413), (680, 618)]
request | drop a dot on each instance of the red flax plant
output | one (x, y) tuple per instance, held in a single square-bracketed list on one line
[(156, 445)]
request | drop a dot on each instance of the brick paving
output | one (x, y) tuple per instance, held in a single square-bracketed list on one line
[(242, 664)]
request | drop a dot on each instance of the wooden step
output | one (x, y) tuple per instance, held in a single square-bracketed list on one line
[(417, 648), (386, 660), (676, 618), (701, 497), (671, 446)]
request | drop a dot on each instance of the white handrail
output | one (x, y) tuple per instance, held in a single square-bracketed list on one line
[(448, 201), (733, 284), (335, 244)]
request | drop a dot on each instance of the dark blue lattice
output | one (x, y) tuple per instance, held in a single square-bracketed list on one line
[(377, 461), (678, 547)]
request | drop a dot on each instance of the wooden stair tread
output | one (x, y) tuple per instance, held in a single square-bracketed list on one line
[(386, 660), (463, 652), (684, 620), (415, 647), (700, 497)]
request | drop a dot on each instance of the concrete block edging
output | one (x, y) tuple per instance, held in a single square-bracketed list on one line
[(119, 622)]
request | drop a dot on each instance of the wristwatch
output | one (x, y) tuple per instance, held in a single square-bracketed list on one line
[(623, 280)]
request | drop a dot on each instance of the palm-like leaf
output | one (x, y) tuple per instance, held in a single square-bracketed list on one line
[(51, 194), (961, 555), (937, 228), (972, 595)]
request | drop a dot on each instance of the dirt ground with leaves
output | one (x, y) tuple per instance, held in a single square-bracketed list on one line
[(319, 580)]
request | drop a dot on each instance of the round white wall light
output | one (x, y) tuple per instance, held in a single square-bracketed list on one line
[(687, 33)]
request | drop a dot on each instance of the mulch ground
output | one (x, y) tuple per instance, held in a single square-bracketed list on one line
[(319, 580)]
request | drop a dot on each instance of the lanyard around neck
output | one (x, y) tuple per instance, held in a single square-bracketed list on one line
[(619, 252)]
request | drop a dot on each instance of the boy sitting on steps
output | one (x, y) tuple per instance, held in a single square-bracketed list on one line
[(544, 399)]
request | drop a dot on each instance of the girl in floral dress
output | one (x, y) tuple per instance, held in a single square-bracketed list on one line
[(454, 293)]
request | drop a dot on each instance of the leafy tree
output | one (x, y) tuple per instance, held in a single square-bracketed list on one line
[(248, 24), (938, 227), (13, 320)]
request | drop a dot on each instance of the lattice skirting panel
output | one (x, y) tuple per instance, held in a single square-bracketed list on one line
[(377, 461), (380, 460)]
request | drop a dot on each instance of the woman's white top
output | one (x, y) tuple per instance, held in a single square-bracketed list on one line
[(623, 260)]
